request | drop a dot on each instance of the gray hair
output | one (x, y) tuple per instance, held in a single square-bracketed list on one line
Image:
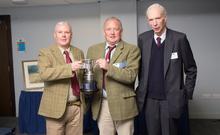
[(156, 5), (115, 19), (65, 23)]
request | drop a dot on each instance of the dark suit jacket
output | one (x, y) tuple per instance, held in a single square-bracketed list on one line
[(178, 59)]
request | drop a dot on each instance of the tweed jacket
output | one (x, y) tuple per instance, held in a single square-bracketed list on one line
[(56, 75), (120, 79)]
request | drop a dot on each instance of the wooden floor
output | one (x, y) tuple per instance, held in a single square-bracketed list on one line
[(197, 126)]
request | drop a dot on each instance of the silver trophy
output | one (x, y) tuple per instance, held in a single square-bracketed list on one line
[(89, 83)]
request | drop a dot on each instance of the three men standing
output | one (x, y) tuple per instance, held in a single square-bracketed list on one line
[(162, 58)]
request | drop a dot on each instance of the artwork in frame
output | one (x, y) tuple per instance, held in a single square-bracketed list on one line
[(31, 75)]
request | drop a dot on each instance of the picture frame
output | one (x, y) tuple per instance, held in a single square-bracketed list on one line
[(31, 75)]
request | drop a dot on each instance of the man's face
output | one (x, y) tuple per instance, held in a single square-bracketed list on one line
[(157, 20), (112, 32), (63, 35)]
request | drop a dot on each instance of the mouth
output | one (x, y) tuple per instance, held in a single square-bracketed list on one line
[(63, 40), (156, 29), (112, 37)]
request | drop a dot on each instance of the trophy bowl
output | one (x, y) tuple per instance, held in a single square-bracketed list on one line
[(89, 83)]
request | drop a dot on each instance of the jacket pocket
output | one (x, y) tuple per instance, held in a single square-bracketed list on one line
[(129, 94)]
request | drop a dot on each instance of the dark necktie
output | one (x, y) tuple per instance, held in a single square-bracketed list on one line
[(74, 81), (107, 58), (158, 42)]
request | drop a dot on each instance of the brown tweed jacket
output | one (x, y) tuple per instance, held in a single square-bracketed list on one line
[(56, 75), (120, 79)]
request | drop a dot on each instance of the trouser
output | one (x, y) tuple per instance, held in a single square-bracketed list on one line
[(107, 126), (157, 118), (69, 124)]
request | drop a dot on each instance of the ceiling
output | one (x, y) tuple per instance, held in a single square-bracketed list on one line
[(24, 3)]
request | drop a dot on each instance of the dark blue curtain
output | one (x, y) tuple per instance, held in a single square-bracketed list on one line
[(29, 120), (89, 125)]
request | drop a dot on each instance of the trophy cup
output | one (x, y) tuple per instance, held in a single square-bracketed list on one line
[(89, 83)]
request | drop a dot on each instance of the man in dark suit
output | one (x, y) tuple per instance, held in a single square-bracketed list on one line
[(165, 57)]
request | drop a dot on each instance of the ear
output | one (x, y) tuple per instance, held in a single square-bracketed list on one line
[(165, 18)]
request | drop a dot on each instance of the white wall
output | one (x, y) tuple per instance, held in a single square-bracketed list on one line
[(126, 12), (36, 24), (200, 21)]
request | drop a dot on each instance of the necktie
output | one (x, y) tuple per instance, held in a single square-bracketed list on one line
[(74, 81), (107, 58), (158, 42)]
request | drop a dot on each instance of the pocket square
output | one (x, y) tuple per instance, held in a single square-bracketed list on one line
[(174, 55), (120, 64)]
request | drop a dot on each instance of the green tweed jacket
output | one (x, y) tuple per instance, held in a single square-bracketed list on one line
[(56, 75), (120, 79)]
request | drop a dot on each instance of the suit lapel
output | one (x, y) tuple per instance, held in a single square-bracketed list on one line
[(167, 50), (147, 47), (146, 51), (101, 49), (99, 53), (117, 52), (57, 53), (74, 52)]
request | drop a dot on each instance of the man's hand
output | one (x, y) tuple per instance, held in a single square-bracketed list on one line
[(103, 64), (76, 65)]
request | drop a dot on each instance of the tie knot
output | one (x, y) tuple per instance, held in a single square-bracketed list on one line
[(68, 59), (111, 48), (158, 40), (66, 52), (108, 55)]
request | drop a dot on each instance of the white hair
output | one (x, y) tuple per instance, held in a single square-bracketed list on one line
[(65, 23), (156, 5), (115, 19)]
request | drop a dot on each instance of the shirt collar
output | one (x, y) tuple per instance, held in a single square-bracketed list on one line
[(107, 45), (163, 36), (62, 49)]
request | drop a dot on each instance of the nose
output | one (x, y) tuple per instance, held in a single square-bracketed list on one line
[(112, 31), (63, 34), (154, 22)]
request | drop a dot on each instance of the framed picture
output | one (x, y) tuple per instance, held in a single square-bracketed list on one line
[(31, 75)]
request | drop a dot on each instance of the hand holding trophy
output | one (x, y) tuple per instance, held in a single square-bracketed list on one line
[(89, 83)]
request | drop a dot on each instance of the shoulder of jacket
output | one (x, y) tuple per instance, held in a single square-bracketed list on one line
[(129, 45), (146, 33), (48, 49), (77, 49), (95, 46), (176, 33)]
